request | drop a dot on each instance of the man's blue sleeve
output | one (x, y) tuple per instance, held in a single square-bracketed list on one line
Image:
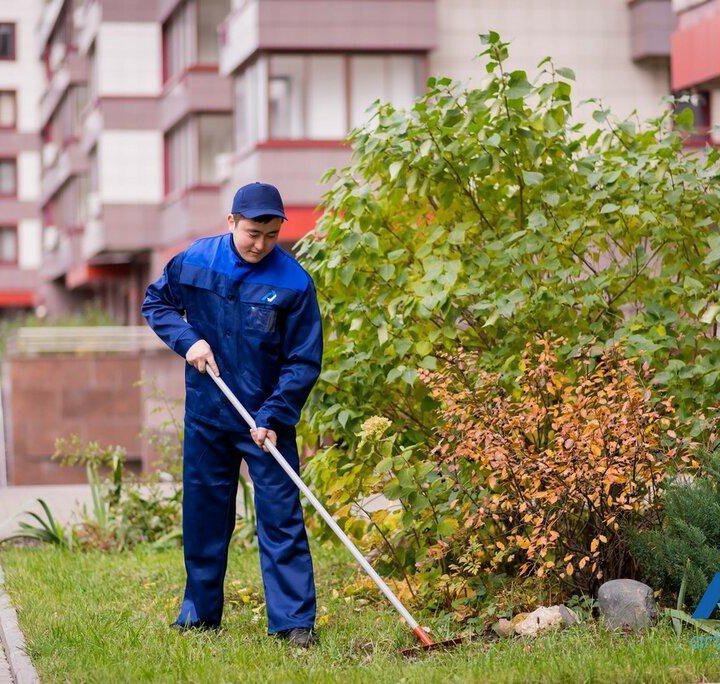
[(163, 310), (303, 348)]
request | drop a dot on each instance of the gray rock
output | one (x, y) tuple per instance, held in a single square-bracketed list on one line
[(569, 616), (543, 618), (626, 603), (504, 628)]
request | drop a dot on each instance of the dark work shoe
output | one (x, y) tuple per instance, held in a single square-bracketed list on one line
[(299, 636)]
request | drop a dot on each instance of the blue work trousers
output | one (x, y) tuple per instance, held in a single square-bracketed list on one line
[(211, 466)]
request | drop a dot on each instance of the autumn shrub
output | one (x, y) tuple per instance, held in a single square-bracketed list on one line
[(569, 463), (544, 478)]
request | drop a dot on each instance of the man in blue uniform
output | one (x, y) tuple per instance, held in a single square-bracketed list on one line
[(251, 316)]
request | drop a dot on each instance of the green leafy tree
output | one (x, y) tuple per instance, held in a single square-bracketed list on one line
[(484, 217)]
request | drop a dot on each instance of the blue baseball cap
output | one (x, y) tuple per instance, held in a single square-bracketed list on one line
[(258, 199)]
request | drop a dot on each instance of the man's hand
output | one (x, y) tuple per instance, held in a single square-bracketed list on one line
[(259, 435), (200, 355)]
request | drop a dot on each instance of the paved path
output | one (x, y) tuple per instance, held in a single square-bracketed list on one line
[(5, 676)]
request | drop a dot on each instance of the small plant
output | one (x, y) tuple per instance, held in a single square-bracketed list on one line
[(684, 550), (48, 529), (125, 510)]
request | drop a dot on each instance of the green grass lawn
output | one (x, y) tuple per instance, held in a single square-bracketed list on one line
[(99, 618)]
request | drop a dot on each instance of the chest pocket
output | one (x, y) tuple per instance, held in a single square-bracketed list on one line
[(198, 278), (259, 318), (203, 295)]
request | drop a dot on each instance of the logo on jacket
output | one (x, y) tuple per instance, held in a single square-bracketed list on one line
[(270, 297)]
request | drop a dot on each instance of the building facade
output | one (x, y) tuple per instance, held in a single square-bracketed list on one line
[(695, 59), (152, 112), (21, 84)]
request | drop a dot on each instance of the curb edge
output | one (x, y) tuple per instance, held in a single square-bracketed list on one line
[(21, 667)]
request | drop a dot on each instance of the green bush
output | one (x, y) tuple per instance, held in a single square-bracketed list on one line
[(481, 219), (485, 217), (689, 536)]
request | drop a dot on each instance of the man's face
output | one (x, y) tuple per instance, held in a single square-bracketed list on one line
[(253, 240)]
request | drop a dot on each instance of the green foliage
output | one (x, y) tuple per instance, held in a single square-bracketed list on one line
[(126, 510), (686, 548), (481, 219), (48, 529), (484, 217)]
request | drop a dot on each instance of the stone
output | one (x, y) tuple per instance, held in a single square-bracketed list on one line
[(626, 603), (544, 618), (504, 628)]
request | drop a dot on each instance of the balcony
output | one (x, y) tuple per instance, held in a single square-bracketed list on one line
[(73, 70), (194, 212), (695, 47), (16, 282), (294, 168), (69, 162), (58, 257), (119, 232), (198, 90), (323, 25), (88, 21), (48, 20), (651, 23)]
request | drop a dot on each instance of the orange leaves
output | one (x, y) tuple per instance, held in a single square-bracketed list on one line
[(572, 453)]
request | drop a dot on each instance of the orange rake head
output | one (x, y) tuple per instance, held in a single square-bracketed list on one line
[(427, 644)]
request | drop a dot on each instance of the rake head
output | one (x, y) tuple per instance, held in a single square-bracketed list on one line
[(427, 644)]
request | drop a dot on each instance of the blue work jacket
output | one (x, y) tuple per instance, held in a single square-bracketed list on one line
[(261, 321)]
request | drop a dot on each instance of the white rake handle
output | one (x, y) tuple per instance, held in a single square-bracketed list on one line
[(319, 507)]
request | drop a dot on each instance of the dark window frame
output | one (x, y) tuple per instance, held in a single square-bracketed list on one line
[(14, 228), (13, 126), (14, 194), (701, 133), (13, 56)]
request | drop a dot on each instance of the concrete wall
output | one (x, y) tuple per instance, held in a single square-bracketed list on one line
[(95, 396), (591, 37), (131, 167), (128, 58)]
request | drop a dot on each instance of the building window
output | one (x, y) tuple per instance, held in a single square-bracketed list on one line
[(321, 97), (190, 35), (68, 116), (179, 153), (8, 109), (699, 103), (179, 41), (210, 14), (306, 97), (215, 137), (8, 245), (7, 41), (395, 78), (92, 71), (191, 148), (8, 177), (249, 110)]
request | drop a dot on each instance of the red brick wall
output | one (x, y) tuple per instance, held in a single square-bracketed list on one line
[(95, 396)]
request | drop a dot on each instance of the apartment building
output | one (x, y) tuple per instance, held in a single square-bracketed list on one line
[(155, 111), (21, 82), (695, 60), (133, 119)]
